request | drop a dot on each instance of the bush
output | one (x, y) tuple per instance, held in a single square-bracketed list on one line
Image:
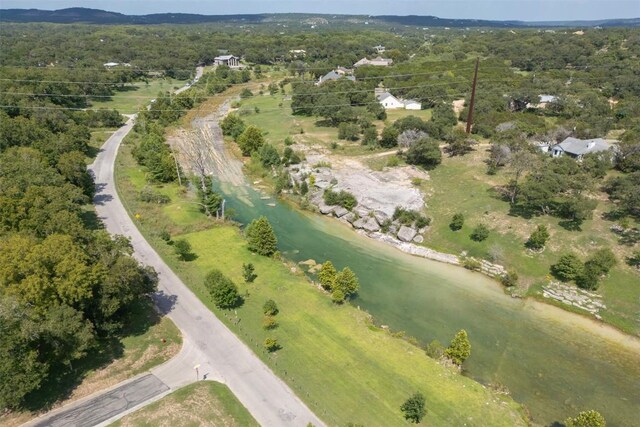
[(269, 155), (261, 237), (346, 282), (232, 125), (342, 198), (601, 261), (586, 419), (410, 217), (149, 195), (246, 93), (634, 259), (223, 291), (413, 408), (271, 345), (567, 268), (589, 277), (509, 279), (269, 323), (471, 264), (434, 349), (289, 141), (389, 137), (457, 222), (182, 248), (327, 275), (538, 238), (338, 296), (248, 272), (165, 236), (250, 140), (349, 131), (425, 153), (480, 233), (370, 136), (270, 308), (393, 161), (459, 349)]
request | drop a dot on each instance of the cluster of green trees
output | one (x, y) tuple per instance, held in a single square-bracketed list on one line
[(66, 287), (342, 285), (586, 275), (340, 198)]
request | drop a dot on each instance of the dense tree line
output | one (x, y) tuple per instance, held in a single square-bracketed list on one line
[(65, 285)]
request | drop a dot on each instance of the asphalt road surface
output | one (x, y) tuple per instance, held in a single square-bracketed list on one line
[(207, 341)]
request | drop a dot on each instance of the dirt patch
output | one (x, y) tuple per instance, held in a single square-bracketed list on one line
[(458, 106)]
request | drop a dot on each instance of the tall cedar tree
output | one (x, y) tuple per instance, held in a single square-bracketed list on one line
[(459, 349), (327, 275), (223, 291), (261, 237)]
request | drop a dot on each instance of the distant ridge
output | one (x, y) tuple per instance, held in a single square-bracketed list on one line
[(97, 16)]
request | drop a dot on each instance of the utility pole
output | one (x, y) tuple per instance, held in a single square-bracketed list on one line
[(473, 98)]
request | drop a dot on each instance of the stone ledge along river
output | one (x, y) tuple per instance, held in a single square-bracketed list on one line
[(555, 362)]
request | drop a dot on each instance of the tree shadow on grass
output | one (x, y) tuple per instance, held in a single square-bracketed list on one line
[(63, 379), (571, 224)]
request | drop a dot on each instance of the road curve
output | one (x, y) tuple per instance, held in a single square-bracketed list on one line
[(207, 341)]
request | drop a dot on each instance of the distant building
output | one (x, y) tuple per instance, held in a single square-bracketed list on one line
[(229, 60), (116, 64), (298, 53), (390, 102), (377, 62), (578, 148), (335, 75), (379, 48)]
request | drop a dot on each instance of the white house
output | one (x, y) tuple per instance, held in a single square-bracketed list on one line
[(410, 104), (390, 102), (230, 60), (577, 148)]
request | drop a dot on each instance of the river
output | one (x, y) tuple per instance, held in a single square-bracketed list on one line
[(551, 360)]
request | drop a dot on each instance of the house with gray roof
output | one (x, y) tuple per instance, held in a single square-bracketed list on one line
[(578, 148), (230, 60), (335, 75)]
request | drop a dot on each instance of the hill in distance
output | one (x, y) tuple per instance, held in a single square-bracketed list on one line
[(97, 16)]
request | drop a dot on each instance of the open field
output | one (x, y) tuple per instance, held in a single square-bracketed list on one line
[(139, 349), (206, 403), (324, 347), (135, 96), (460, 184)]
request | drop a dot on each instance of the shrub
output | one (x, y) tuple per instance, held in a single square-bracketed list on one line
[(223, 291), (413, 408), (327, 275), (165, 236), (261, 237), (601, 261), (586, 419), (471, 264), (232, 125), (480, 233), (149, 195), (369, 136), (389, 137), (250, 140), (589, 277), (459, 349), (538, 238), (246, 93), (270, 308), (271, 345), (567, 268), (408, 217), (634, 259), (341, 198), (346, 282), (182, 248), (434, 349), (422, 221), (393, 161), (425, 153), (349, 131), (289, 141), (248, 272), (269, 155), (457, 222), (338, 296), (509, 279), (269, 323), (304, 188)]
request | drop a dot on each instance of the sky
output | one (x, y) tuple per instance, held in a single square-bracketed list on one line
[(524, 10)]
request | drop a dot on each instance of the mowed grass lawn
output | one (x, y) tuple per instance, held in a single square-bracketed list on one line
[(460, 184), (342, 367), (206, 403), (137, 95)]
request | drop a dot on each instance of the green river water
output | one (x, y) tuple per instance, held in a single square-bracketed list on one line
[(549, 359)]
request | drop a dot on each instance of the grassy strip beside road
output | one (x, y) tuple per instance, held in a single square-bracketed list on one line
[(204, 403), (139, 349), (343, 367), (136, 95)]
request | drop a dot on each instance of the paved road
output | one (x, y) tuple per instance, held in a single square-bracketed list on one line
[(97, 409), (207, 341)]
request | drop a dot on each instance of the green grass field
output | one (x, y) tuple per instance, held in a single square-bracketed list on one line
[(461, 184), (331, 356), (137, 95), (204, 403)]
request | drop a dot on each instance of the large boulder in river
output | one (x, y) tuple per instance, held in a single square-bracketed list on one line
[(406, 234)]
